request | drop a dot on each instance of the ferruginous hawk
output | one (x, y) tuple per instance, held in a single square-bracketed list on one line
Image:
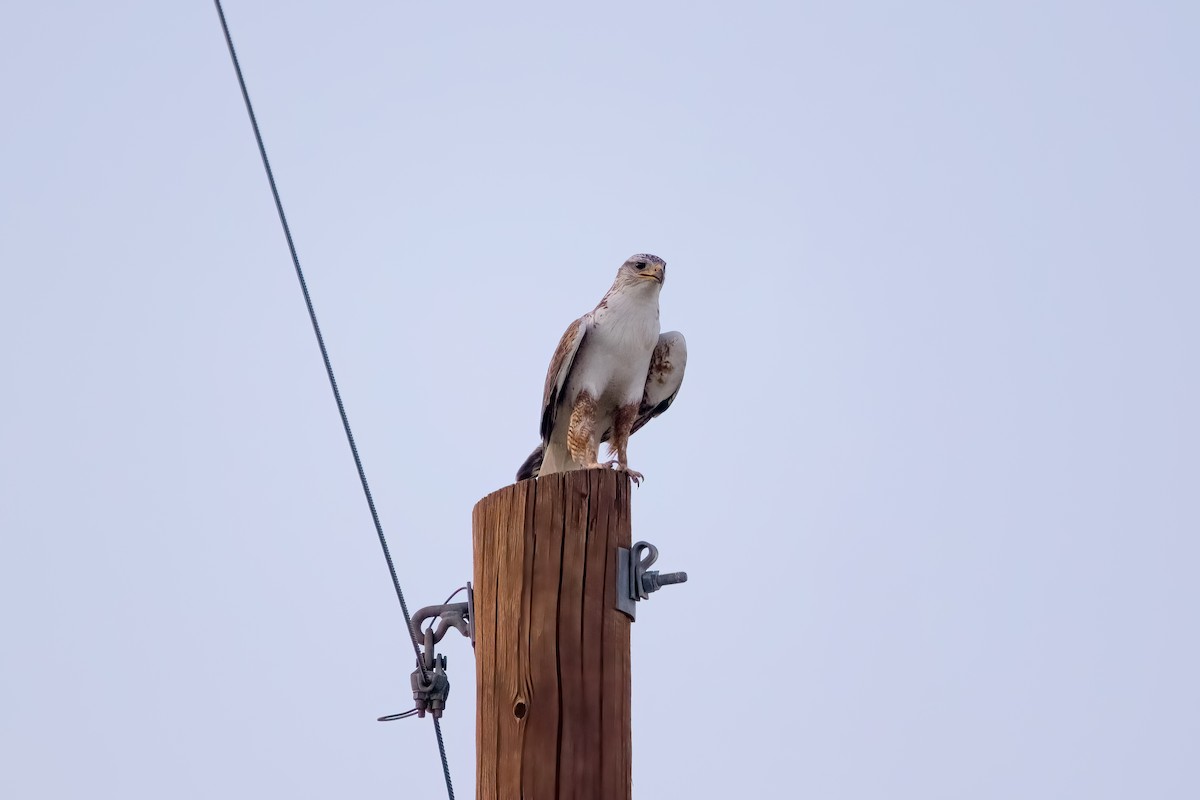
[(611, 374)]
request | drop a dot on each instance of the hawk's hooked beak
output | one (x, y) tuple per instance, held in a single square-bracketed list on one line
[(654, 274)]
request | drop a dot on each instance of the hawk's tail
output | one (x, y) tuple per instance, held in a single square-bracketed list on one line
[(532, 465)]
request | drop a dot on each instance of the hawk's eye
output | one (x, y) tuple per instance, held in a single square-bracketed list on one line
[(641, 265)]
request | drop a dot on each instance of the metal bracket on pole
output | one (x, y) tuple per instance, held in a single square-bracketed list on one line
[(635, 579), (460, 616), (430, 686)]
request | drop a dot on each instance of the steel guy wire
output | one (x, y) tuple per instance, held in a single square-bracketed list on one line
[(337, 395)]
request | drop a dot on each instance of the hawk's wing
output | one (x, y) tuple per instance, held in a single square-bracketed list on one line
[(663, 380), (560, 371)]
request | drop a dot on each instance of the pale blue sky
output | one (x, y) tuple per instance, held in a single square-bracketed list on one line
[(933, 471)]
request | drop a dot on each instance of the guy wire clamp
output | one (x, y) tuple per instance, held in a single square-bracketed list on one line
[(430, 686), (635, 579)]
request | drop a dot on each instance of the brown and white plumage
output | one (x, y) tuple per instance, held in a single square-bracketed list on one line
[(663, 380), (608, 375)]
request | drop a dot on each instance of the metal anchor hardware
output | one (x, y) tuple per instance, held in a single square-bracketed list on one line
[(430, 685), (430, 692), (635, 579)]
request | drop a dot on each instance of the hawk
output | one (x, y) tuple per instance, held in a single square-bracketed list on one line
[(611, 374)]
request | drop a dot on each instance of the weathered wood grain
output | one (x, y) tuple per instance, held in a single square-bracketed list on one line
[(551, 650)]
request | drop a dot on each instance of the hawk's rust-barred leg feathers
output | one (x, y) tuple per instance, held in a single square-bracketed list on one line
[(582, 442), (622, 427), (663, 381)]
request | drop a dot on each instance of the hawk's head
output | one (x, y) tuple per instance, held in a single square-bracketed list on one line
[(642, 269)]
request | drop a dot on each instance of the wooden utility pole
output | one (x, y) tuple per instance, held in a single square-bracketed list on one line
[(551, 649)]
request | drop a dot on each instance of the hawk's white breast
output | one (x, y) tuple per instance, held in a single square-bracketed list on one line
[(616, 354)]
